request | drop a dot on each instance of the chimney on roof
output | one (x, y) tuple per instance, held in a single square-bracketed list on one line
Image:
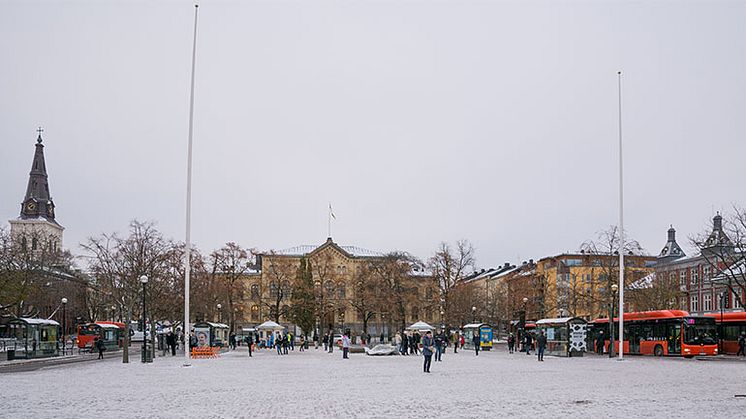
[(507, 264), (530, 261)]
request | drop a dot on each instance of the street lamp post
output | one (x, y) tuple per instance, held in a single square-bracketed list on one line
[(64, 325), (220, 313), (614, 288), (720, 332), (473, 314), (144, 281)]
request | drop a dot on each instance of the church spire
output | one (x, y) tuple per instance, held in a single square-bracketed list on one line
[(672, 250), (38, 203)]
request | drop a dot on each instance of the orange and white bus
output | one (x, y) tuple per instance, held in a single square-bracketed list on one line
[(663, 332), (730, 326)]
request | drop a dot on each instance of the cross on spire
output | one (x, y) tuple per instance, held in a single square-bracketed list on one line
[(39, 130)]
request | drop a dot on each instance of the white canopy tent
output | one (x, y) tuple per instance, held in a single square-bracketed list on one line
[(420, 325), (270, 325)]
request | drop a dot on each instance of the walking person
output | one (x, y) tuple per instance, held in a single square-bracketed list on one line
[(249, 343), (397, 341), (331, 341), (345, 346), (427, 350), (456, 341), (477, 342), (511, 343), (541, 345), (528, 343), (278, 344), (285, 343), (171, 342), (100, 347), (741, 345), (302, 344), (325, 340)]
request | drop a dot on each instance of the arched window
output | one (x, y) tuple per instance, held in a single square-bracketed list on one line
[(285, 287), (341, 291), (254, 290), (273, 289), (34, 243), (329, 289), (254, 313)]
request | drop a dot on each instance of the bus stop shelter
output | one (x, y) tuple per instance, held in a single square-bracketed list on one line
[(32, 338), (483, 330), (565, 335)]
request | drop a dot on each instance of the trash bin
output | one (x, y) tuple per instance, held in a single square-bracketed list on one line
[(147, 356), (11, 354)]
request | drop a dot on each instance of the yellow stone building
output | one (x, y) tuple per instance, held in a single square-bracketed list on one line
[(579, 284), (337, 272)]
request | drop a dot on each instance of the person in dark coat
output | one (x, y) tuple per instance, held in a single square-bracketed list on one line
[(477, 342), (171, 342), (511, 343), (249, 343), (541, 345), (600, 342), (741, 345), (325, 341), (440, 342), (456, 341), (427, 350), (528, 341), (100, 347)]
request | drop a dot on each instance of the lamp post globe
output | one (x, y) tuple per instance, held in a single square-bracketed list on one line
[(220, 313), (473, 314), (144, 281), (64, 324)]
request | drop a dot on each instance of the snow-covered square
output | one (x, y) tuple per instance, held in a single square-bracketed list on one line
[(317, 384)]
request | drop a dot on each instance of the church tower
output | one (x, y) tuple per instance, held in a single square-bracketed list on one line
[(36, 225)]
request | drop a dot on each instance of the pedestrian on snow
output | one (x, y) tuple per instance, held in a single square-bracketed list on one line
[(405, 344), (232, 340), (171, 342), (331, 341), (600, 343), (285, 343), (291, 340), (302, 343), (345, 346), (278, 344), (381, 341), (741, 345), (397, 341), (528, 343), (541, 345), (477, 342), (456, 341), (316, 339), (427, 350), (440, 341), (100, 347), (511, 343), (325, 340), (249, 343), (462, 341)]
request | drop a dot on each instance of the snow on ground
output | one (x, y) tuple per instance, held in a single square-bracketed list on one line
[(317, 384)]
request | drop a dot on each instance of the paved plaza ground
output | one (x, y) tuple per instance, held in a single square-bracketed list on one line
[(319, 385)]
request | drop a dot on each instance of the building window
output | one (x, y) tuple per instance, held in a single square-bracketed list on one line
[(707, 302), (254, 313), (329, 288), (682, 277), (34, 243), (273, 289), (736, 299), (255, 291), (694, 303), (706, 272), (285, 287), (341, 291), (695, 275)]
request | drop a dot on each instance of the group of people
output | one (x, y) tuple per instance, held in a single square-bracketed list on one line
[(528, 342)]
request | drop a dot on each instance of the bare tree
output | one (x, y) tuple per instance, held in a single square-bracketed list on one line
[(230, 264), (449, 267), (282, 274), (394, 274), (366, 295)]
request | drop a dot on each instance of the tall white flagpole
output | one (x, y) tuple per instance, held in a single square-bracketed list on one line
[(188, 239), (621, 225)]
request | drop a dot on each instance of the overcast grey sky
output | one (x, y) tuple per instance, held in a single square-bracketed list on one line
[(421, 121)]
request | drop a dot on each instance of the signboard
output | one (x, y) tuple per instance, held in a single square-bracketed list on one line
[(577, 337), (550, 333), (485, 336), (203, 336)]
